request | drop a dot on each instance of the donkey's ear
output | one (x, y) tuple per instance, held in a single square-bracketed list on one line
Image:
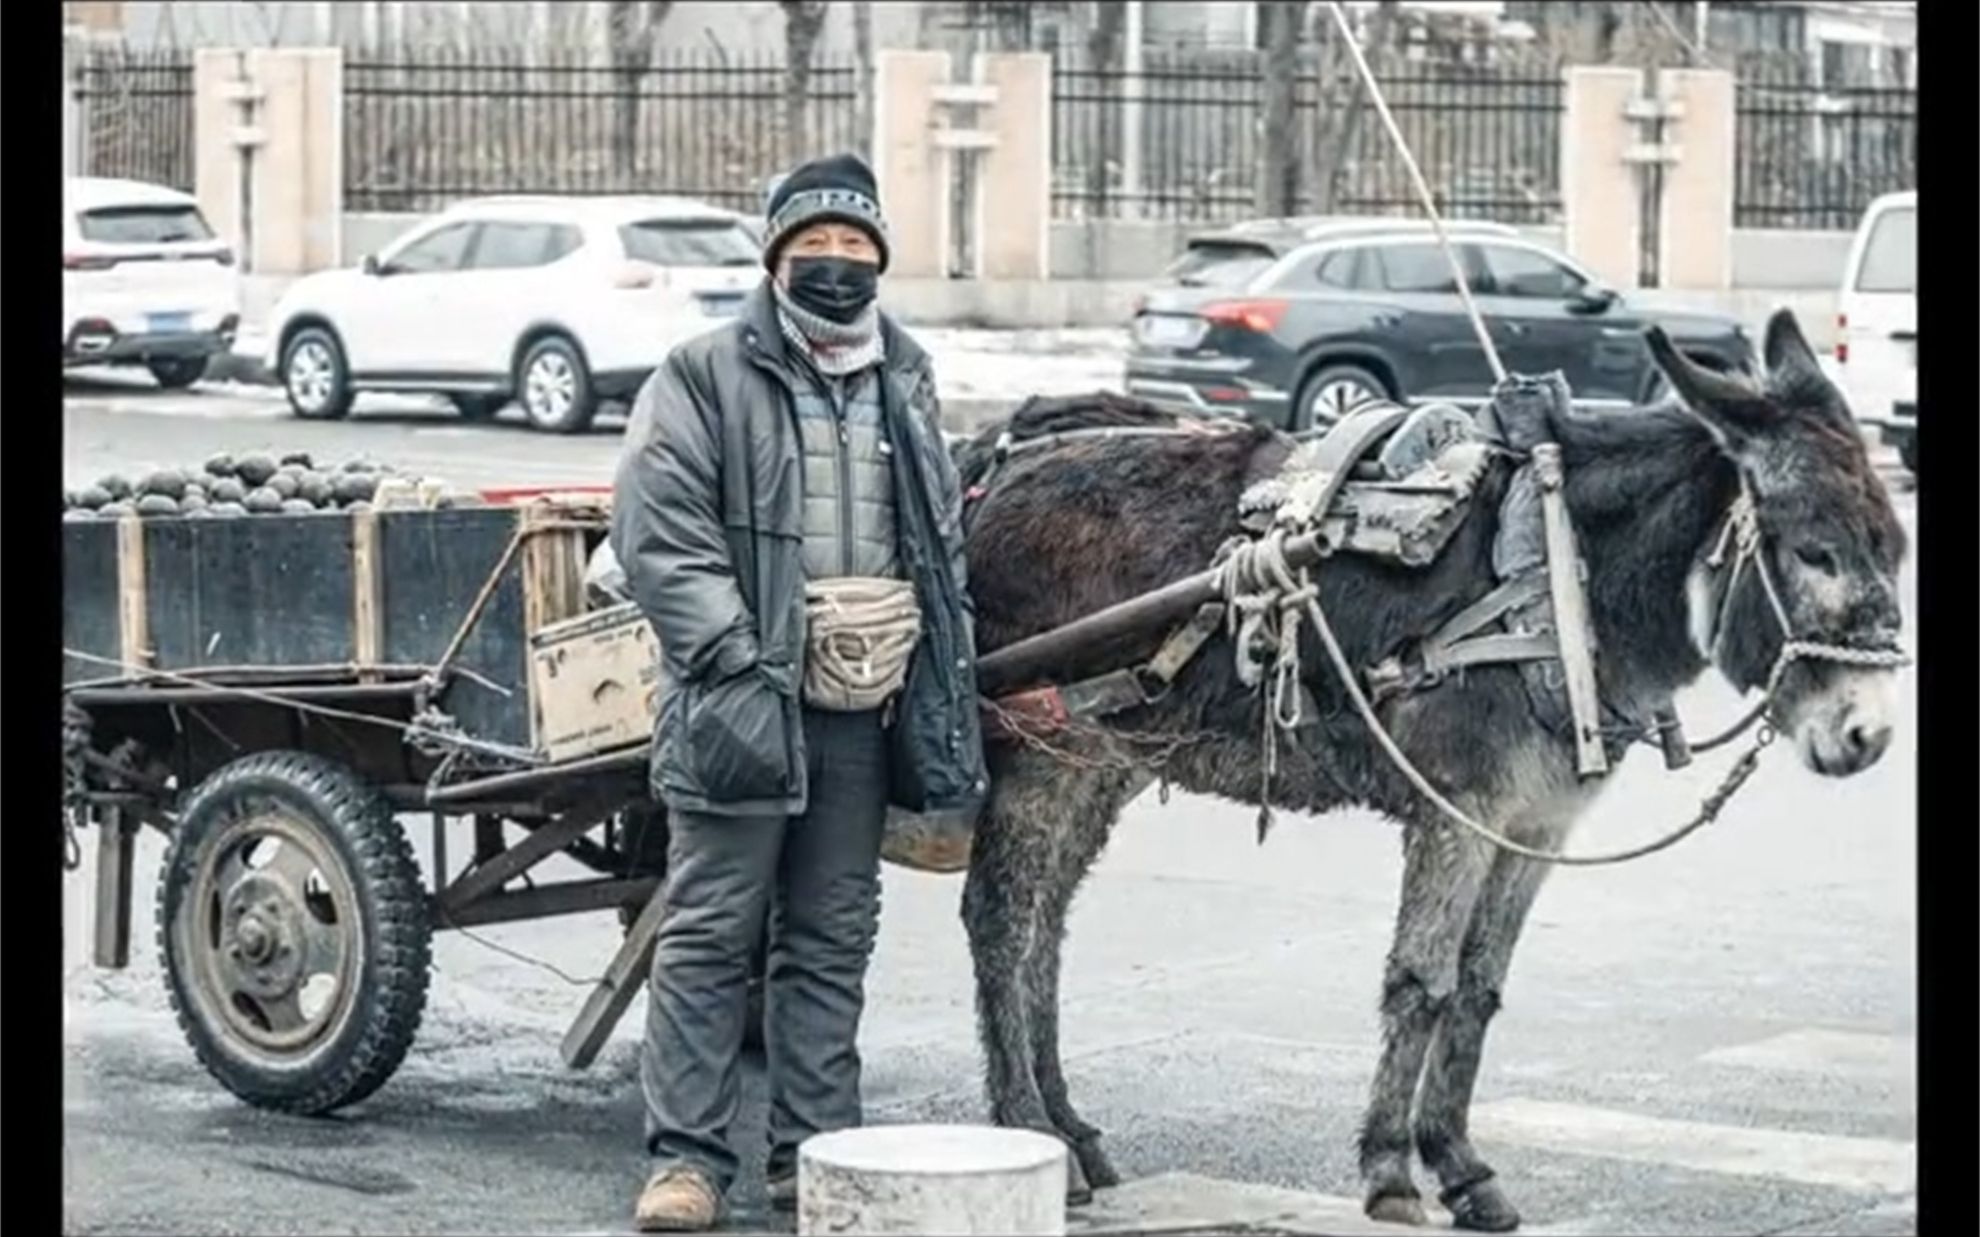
[(1795, 377), (1725, 402), (1786, 347)]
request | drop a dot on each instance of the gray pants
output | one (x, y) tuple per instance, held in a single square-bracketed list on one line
[(819, 877)]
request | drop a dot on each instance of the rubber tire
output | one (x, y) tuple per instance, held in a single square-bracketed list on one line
[(584, 399), (1908, 453), (177, 373), (358, 825), (339, 405), (1302, 413), (479, 408)]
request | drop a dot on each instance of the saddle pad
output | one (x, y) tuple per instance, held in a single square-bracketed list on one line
[(1424, 476)]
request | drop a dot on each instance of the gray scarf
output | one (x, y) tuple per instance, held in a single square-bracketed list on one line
[(835, 348)]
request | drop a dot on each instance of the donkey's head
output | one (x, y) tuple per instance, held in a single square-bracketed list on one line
[(1814, 559)]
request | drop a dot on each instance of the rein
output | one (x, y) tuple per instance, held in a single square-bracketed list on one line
[(1257, 579)]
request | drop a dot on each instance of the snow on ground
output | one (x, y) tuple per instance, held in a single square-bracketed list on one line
[(976, 364)]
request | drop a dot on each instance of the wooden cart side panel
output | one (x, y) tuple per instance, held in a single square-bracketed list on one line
[(368, 599), (90, 620), (435, 563), (261, 591)]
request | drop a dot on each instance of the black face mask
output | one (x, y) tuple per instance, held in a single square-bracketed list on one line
[(836, 289)]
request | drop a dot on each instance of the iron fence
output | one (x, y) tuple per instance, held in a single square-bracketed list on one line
[(422, 129), (1811, 156), (135, 115), (1486, 136)]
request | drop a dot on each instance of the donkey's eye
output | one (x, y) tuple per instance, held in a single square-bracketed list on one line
[(1816, 557)]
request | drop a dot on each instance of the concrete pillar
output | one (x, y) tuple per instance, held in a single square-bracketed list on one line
[(1014, 187), (275, 115), (911, 172), (950, 1179), (1599, 192), (1695, 216)]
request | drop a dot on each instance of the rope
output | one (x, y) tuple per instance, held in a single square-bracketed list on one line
[(1261, 567), (1422, 189), (415, 731)]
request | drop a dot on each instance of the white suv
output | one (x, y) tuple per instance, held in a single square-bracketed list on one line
[(1877, 323), (554, 302), (144, 280)]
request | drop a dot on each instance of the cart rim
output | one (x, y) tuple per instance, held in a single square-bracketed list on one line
[(271, 909)]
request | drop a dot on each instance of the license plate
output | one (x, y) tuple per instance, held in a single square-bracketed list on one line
[(168, 324), (720, 305), (1170, 330)]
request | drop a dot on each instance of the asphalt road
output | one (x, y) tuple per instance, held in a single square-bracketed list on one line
[(1715, 1040)]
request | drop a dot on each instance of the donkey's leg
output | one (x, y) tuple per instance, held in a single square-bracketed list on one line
[(1077, 850), (1475, 1200), (1442, 873)]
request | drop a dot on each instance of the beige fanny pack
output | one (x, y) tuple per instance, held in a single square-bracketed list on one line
[(860, 633)]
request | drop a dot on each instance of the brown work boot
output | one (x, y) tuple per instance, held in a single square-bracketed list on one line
[(678, 1199)]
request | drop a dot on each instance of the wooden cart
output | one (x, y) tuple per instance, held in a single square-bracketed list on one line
[(277, 693)]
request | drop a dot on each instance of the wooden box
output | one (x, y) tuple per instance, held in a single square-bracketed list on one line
[(594, 683), (327, 597)]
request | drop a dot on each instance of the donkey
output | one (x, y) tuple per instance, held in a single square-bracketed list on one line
[(1073, 526)]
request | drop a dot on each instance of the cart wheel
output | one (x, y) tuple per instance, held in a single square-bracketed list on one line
[(295, 933)]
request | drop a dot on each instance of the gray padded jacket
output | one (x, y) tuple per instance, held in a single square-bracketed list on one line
[(708, 523)]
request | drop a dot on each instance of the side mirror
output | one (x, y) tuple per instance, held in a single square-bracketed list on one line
[(1592, 299), (370, 264)]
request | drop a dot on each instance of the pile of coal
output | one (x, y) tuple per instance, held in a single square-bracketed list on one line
[(260, 483)]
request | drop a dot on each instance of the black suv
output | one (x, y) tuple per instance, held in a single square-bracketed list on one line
[(1293, 323)]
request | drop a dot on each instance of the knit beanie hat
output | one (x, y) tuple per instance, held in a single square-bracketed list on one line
[(839, 187)]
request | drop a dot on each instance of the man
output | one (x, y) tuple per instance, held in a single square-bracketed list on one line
[(789, 521)]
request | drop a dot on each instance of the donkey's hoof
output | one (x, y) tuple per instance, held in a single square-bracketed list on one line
[(1099, 1170), (1396, 1209), (1079, 1191), (1480, 1207)]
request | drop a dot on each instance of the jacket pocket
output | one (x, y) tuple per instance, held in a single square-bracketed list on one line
[(738, 745)]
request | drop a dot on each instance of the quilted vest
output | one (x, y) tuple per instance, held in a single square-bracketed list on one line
[(848, 480)]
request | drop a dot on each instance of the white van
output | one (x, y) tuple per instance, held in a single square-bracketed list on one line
[(144, 280), (1877, 323)]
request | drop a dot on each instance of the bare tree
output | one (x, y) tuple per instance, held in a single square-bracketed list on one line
[(631, 27), (863, 104), (804, 21), (1278, 171), (1105, 44), (1343, 99)]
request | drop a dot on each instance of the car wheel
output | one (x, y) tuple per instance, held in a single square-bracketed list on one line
[(1908, 453), (553, 384), (174, 373), (315, 376), (1332, 392), (480, 407)]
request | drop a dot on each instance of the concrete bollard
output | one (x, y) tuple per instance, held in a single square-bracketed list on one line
[(942, 1179)]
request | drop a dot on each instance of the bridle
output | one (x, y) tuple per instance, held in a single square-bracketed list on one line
[(1745, 540)]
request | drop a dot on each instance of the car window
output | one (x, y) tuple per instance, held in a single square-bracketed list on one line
[(1414, 268), (511, 246), (1215, 265), (1890, 259), (1522, 272), (164, 224), (690, 242), (1340, 269), (437, 251)]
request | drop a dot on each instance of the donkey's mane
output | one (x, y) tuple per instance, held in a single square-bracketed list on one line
[(1041, 416)]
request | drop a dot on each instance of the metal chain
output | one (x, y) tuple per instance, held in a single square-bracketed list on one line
[(1162, 746)]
